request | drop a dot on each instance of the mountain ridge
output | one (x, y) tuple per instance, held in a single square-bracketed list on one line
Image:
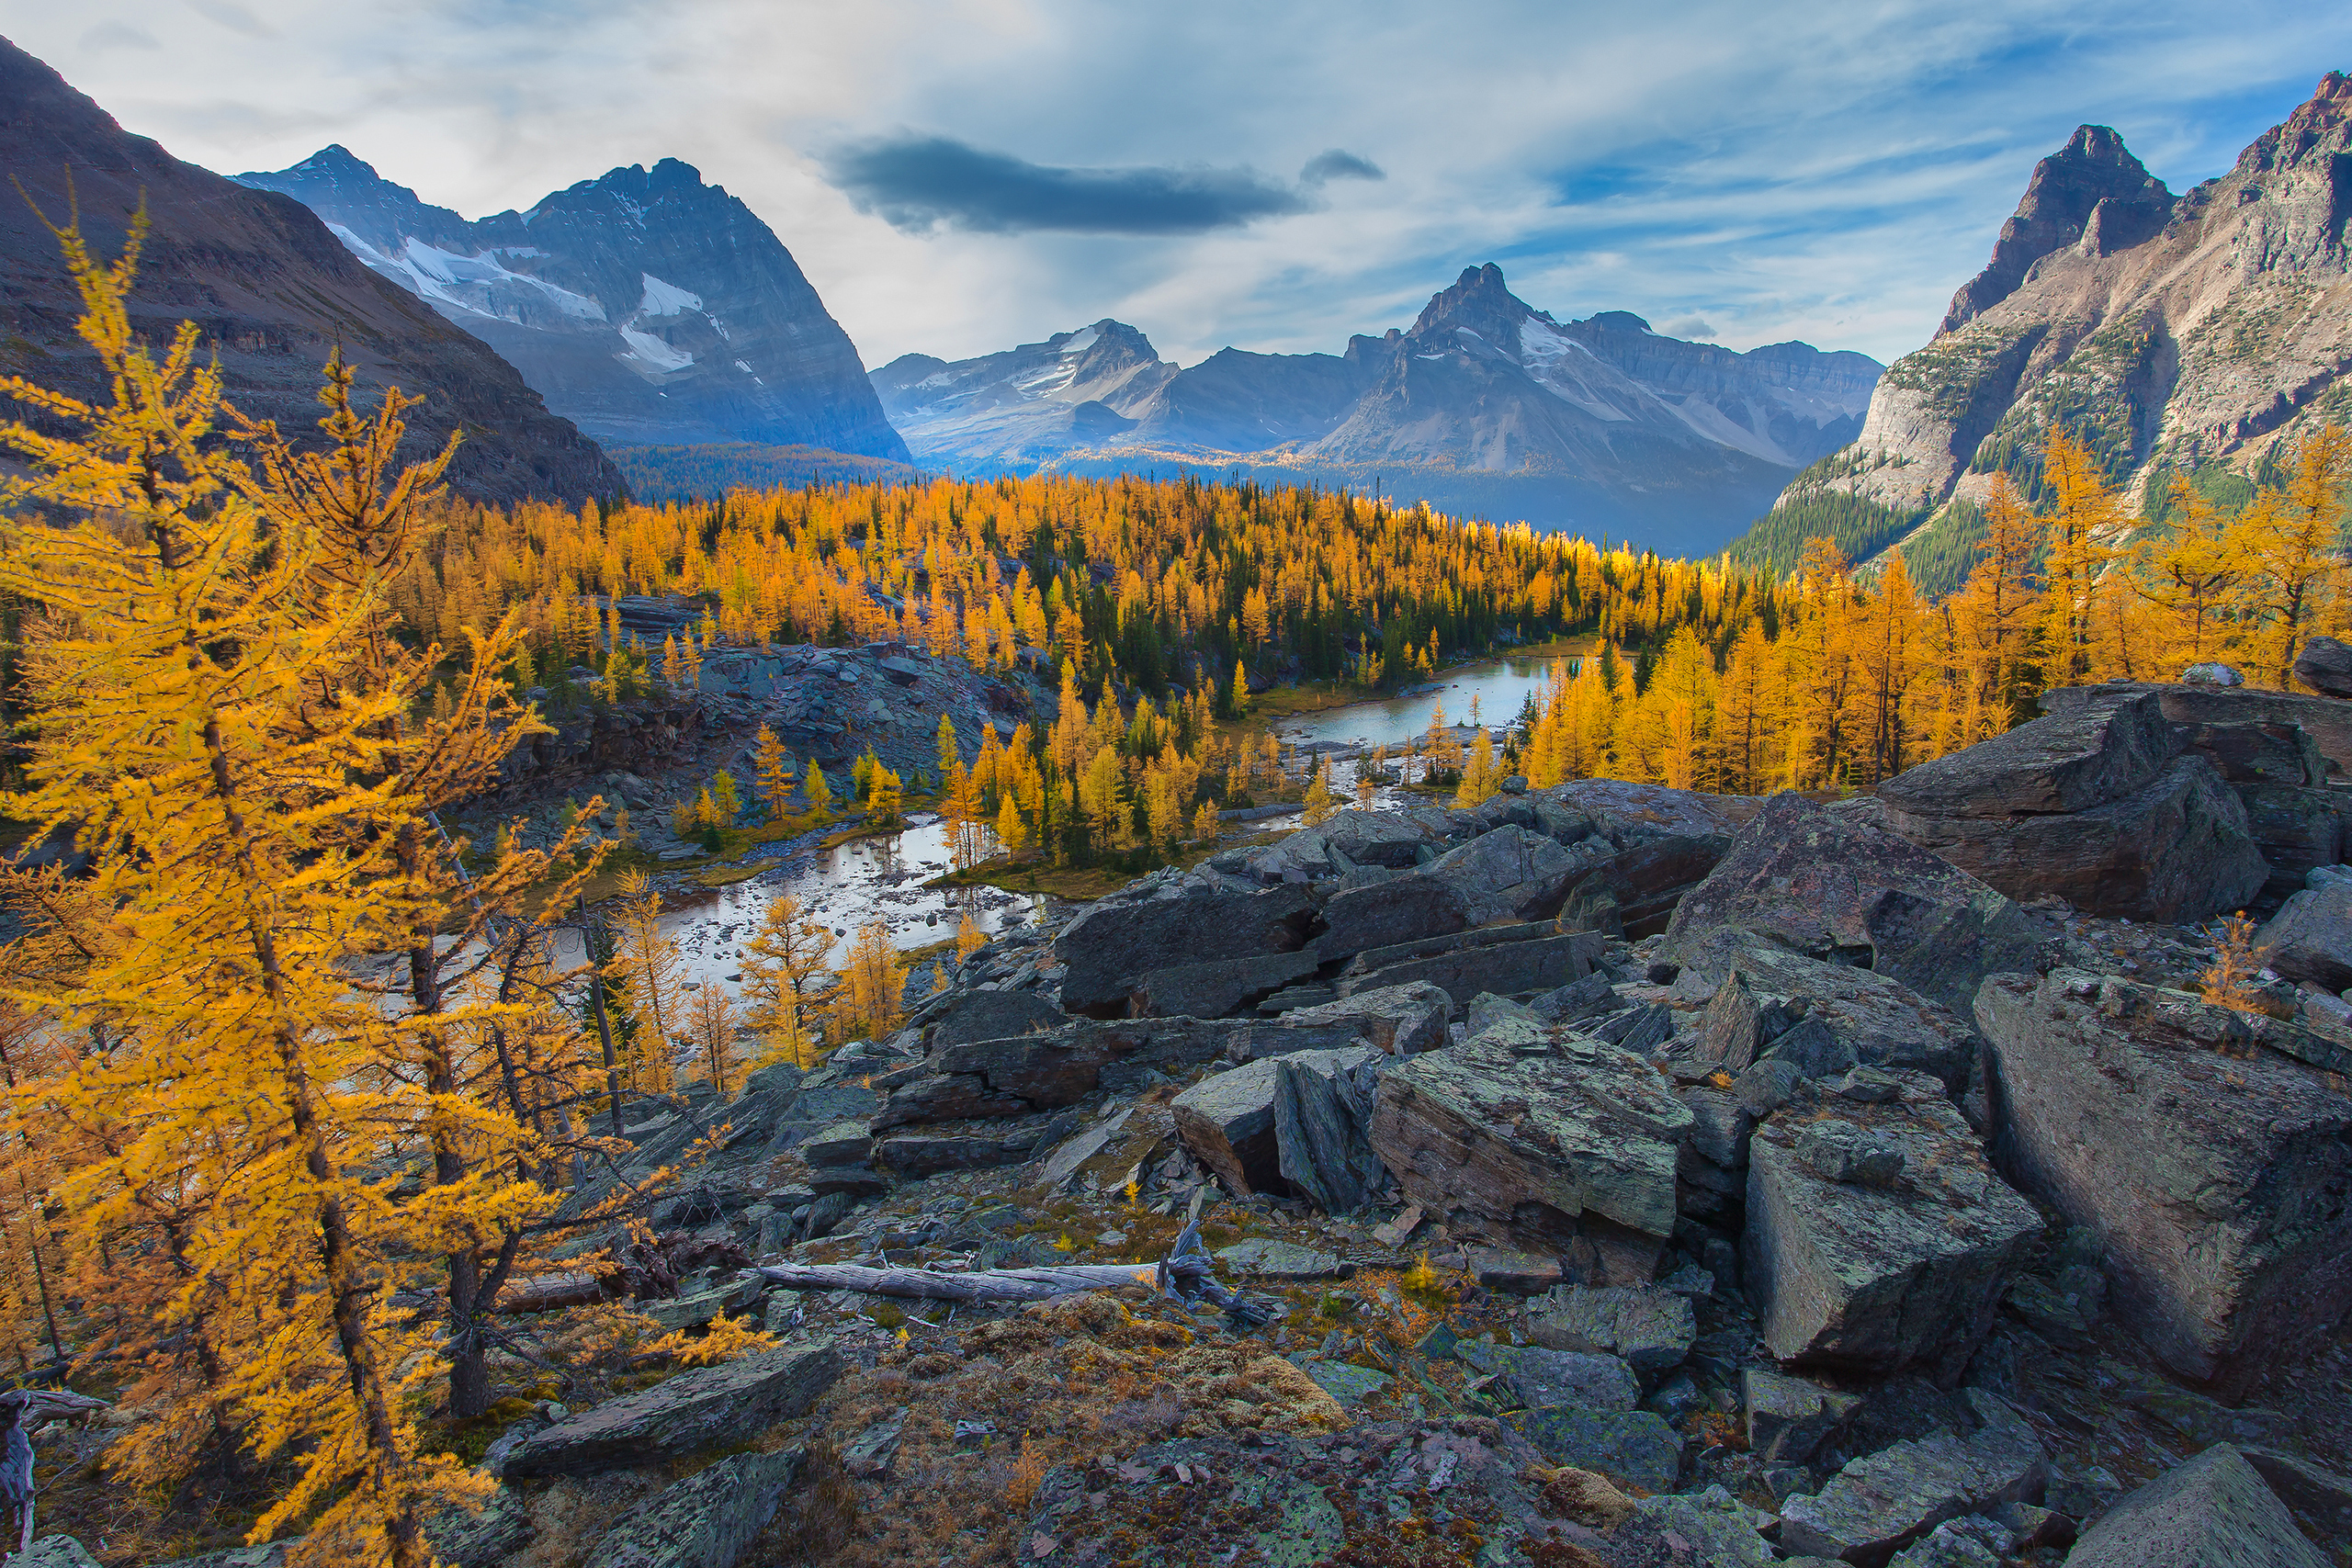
[(1600, 424), (650, 307)]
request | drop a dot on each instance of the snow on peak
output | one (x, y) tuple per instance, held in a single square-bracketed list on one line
[(666, 298), (651, 353), (1080, 341)]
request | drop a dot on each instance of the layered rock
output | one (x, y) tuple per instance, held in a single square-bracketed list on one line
[(2210, 1509), (1883, 1502), (1110, 949), (712, 1407), (2226, 1240), (2311, 936)]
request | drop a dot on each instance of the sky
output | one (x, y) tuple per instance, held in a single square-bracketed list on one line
[(958, 177)]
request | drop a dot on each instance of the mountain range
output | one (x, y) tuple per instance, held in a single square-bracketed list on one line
[(647, 307), (1484, 405), (2179, 335), (272, 290)]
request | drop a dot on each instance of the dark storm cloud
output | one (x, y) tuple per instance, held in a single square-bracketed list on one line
[(920, 182), (1337, 163)]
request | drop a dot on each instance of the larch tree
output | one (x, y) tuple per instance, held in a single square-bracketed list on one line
[(784, 976), (649, 973)]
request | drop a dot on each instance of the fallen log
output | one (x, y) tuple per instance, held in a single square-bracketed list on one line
[(547, 1292), (1185, 1275)]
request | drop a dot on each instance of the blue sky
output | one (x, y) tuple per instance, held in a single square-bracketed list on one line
[(958, 177)]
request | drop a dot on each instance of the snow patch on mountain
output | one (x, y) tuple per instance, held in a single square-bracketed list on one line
[(666, 298)]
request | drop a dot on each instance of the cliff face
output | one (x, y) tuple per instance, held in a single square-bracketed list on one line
[(649, 307), (2170, 332), (269, 284), (1484, 405)]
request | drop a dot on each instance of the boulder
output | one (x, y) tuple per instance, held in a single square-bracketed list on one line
[(1634, 892), (2256, 753), (1261, 1258), (2210, 1510), (1789, 1419), (1400, 1020), (712, 1407), (1507, 873), (1650, 1329), (2178, 849), (1382, 914), (2326, 721), (2058, 764), (1108, 949), (842, 1143), (1532, 1375), (1393, 838), (1628, 814), (2311, 936), (2207, 1161), (65, 1552), (1322, 1130), (991, 1015), (1825, 885), (2295, 830), (2325, 666), (917, 1155), (708, 1520), (1881, 1503), (1633, 1447), (1232, 1122), (1882, 1021), (1571, 1152), (1506, 960), (1877, 1237), (1048, 1071), (1218, 987)]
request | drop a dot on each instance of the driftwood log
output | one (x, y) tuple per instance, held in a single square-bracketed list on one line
[(1185, 1275)]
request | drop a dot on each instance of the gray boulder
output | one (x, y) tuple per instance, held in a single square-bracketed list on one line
[(711, 1407), (991, 1015), (1218, 987), (1634, 892), (2058, 763), (1629, 814), (61, 1551), (1508, 873), (1107, 950), (708, 1520), (1571, 1152), (1507, 960), (1532, 1375), (1789, 1419), (1234, 1122), (2326, 721), (1633, 1447), (1651, 1330), (1878, 1238), (2325, 666), (1884, 1023), (2207, 1162), (2311, 936), (2212, 1511), (1881, 1503), (2178, 849), (1400, 910), (1400, 1020), (1048, 1071), (1826, 885)]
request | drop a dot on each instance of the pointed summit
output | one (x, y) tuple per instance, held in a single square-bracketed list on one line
[(2091, 185)]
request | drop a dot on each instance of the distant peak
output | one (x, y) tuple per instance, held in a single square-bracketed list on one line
[(1621, 321), (2094, 174), (1478, 295)]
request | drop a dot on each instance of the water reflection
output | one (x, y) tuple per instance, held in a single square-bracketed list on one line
[(1501, 689)]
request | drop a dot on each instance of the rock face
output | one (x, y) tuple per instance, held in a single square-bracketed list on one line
[(2111, 299), (1483, 403), (1110, 949), (1570, 1151), (709, 1408), (2226, 1240), (1878, 1238), (647, 307), (1827, 884), (1883, 1502), (272, 291), (2211, 1509), (2092, 805)]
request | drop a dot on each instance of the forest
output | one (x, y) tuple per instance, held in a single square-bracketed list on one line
[(294, 1088)]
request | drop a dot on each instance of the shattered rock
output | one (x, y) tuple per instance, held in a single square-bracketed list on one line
[(1878, 1237), (1531, 1376), (1883, 1502), (2311, 937), (1633, 1447), (1789, 1419), (1230, 1120), (2195, 1153), (1401, 1020), (1217, 988)]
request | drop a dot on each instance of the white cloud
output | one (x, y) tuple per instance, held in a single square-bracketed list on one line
[(1829, 173)]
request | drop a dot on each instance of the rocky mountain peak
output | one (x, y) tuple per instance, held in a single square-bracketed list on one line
[(1479, 300), (2310, 138), (2091, 185)]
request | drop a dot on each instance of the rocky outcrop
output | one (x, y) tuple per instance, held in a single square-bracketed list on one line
[(1110, 949), (2092, 805), (2210, 1509), (1651, 1330), (2311, 937), (713, 1407), (2226, 1240), (1830, 884), (1878, 1238), (269, 288), (1567, 1149), (2325, 666), (2327, 721)]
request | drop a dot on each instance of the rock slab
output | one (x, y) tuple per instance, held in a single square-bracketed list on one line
[(708, 1408), (708, 1520), (2212, 1511)]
